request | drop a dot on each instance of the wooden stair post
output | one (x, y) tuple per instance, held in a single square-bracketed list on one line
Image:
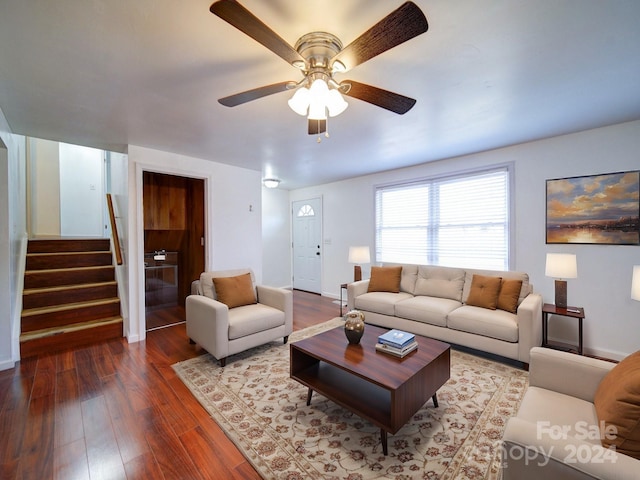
[(70, 296)]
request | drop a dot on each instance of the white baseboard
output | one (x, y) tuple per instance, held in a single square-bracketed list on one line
[(7, 365)]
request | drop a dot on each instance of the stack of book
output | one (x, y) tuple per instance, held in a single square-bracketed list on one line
[(397, 342)]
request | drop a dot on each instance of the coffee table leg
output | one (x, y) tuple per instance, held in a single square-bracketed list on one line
[(435, 400), (309, 393), (383, 440)]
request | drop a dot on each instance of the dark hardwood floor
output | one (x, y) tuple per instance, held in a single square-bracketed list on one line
[(117, 410)]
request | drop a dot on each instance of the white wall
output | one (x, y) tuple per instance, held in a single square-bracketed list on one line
[(612, 324), (233, 230), (276, 237), (13, 240), (44, 177), (81, 191)]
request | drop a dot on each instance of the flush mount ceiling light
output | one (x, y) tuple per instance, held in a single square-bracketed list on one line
[(271, 182), (320, 55)]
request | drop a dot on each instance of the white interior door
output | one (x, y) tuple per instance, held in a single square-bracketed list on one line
[(307, 254)]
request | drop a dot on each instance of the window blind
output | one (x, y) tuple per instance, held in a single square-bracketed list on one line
[(458, 221)]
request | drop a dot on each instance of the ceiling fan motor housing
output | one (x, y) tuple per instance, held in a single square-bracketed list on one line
[(318, 48)]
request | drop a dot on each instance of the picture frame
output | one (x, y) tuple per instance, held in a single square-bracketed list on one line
[(599, 209)]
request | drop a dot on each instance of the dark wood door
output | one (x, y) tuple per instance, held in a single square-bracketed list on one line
[(173, 208)]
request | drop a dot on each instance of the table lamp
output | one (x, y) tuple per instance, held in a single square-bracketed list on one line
[(635, 283), (358, 255), (559, 266)]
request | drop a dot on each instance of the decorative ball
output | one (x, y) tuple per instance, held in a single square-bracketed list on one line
[(354, 326)]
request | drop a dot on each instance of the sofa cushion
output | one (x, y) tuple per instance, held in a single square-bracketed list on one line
[(484, 291), (235, 291), (380, 302), (431, 310), (250, 319), (442, 282), (385, 279), (617, 403), (509, 294), (488, 323)]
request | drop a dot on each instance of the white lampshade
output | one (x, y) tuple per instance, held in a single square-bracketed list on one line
[(299, 103), (359, 255), (635, 283), (561, 265)]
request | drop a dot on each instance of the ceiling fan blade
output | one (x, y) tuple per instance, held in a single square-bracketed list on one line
[(377, 96), (249, 95), (316, 127), (401, 25), (235, 14)]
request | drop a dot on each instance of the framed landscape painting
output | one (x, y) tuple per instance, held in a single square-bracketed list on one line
[(599, 209)]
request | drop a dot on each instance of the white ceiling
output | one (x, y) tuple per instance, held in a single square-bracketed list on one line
[(490, 73)]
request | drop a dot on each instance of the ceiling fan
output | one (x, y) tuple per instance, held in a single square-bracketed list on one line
[(320, 55)]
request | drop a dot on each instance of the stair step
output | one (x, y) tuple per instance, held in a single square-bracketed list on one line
[(70, 313), (69, 336), (48, 261), (68, 245), (68, 276), (60, 295)]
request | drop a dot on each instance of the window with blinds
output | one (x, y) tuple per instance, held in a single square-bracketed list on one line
[(458, 221)]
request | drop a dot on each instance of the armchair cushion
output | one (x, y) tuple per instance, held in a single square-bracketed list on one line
[(617, 402), (235, 291)]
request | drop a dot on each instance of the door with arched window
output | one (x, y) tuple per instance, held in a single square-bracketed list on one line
[(307, 250)]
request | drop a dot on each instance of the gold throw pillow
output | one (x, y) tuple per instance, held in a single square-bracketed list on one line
[(617, 402), (235, 291), (385, 279), (484, 291), (509, 295)]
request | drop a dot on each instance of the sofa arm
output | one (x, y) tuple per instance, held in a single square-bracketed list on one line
[(208, 324), (353, 290), (567, 373), (529, 455), (529, 318), (280, 299)]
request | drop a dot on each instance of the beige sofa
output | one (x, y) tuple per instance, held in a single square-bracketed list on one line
[(556, 434), (432, 302)]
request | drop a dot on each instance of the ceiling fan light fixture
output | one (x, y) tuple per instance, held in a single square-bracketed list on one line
[(299, 103), (335, 103), (317, 110)]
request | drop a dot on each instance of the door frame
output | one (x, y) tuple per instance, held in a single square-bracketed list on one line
[(291, 219), (136, 331)]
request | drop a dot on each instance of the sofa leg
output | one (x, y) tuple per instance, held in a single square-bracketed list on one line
[(223, 361), (286, 339), (191, 342)]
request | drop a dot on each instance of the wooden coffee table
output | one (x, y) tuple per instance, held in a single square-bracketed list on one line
[(376, 386)]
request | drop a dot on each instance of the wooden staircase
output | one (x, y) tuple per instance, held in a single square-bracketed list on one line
[(70, 296)]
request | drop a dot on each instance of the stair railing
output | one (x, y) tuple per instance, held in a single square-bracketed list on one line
[(114, 230)]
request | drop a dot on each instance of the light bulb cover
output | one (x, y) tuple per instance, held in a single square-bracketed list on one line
[(271, 182), (299, 103), (335, 103)]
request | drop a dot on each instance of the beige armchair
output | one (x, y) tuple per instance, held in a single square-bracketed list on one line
[(224, 331), (556, 434)]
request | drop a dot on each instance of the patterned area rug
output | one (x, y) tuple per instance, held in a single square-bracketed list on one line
[(265, 414)]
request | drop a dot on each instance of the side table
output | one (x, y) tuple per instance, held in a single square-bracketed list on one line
[(343, 286), (572, 312)]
